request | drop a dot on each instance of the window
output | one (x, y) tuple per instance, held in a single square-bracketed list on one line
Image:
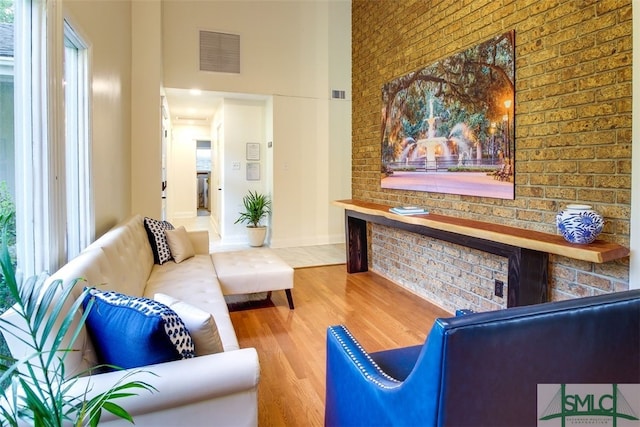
[(34, 244), (44, 134), (45, 175), (7, 149), (7, 145), (79, 219)]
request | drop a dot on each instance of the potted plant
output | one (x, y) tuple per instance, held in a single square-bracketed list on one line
[(256, 207), (35, 389)]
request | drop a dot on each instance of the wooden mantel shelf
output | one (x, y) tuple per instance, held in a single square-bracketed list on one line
[(598, 251)]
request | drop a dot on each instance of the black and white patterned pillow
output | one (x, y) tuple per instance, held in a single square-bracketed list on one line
[(132, 331), (158, 240)]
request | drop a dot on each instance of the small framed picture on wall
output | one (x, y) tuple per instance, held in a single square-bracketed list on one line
[(253, 151), (253, 171)]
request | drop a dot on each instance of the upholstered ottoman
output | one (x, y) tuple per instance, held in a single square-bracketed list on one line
[(253, 270)]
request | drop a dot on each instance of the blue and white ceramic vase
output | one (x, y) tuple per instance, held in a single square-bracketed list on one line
[(579, 224)]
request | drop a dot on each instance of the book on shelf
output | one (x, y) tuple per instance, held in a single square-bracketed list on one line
[(409, 210)]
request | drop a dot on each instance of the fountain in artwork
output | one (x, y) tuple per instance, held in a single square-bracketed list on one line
[(457, 147), (433, 145), (465, 140)]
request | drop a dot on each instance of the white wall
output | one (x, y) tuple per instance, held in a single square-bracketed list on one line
[(125, 39), (107, 26), (339, 166), (339, 66), (244, 121), (295, 51), (181, 169), (284, 45), (301, 172), (146, 77)]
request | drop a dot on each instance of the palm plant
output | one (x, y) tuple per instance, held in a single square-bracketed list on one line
[(39, 392), (256, 207)]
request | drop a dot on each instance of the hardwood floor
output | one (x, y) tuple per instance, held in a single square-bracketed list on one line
[(291, 343)]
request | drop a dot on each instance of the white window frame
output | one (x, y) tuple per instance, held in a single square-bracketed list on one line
[(30, 129), (78, 176)]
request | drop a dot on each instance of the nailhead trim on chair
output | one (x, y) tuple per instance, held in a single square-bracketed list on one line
[(360, 366)]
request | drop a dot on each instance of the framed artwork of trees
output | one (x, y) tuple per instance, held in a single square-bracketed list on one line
[(449, 127)]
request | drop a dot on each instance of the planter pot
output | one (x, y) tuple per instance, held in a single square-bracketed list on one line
[(256, 235), (579, 224)]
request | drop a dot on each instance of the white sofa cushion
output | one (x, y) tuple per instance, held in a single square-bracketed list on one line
[(194, 281), (213, 390), (94, 267), (129, 256), (252, 270), (201, 325)]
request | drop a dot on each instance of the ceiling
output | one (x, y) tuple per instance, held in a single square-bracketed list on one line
[(188, 106)]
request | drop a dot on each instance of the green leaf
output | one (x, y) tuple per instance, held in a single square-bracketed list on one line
[(118, 410), (66, 323), (39, 410), (95, 419)]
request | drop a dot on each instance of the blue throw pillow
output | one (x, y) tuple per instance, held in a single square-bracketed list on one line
[(130, 332)]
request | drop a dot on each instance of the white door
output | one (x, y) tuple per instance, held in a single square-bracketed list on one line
[(216, 180)]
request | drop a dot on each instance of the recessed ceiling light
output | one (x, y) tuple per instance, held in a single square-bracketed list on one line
[(191, 118), (195, 92)]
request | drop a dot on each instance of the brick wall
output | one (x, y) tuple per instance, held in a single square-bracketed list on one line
[(573, 133), (449, 275)]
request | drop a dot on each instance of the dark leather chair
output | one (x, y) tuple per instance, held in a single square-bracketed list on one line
[(483, 369)]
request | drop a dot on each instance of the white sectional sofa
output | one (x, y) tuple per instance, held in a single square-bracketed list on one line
[(209, 390)]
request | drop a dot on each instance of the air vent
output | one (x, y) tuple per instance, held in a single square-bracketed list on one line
[(219, 52), (337, 94)]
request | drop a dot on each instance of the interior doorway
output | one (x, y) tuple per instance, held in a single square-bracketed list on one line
[(203, 177), (217, 126)]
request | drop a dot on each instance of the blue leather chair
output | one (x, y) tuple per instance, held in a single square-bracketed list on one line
[(483, 369)]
